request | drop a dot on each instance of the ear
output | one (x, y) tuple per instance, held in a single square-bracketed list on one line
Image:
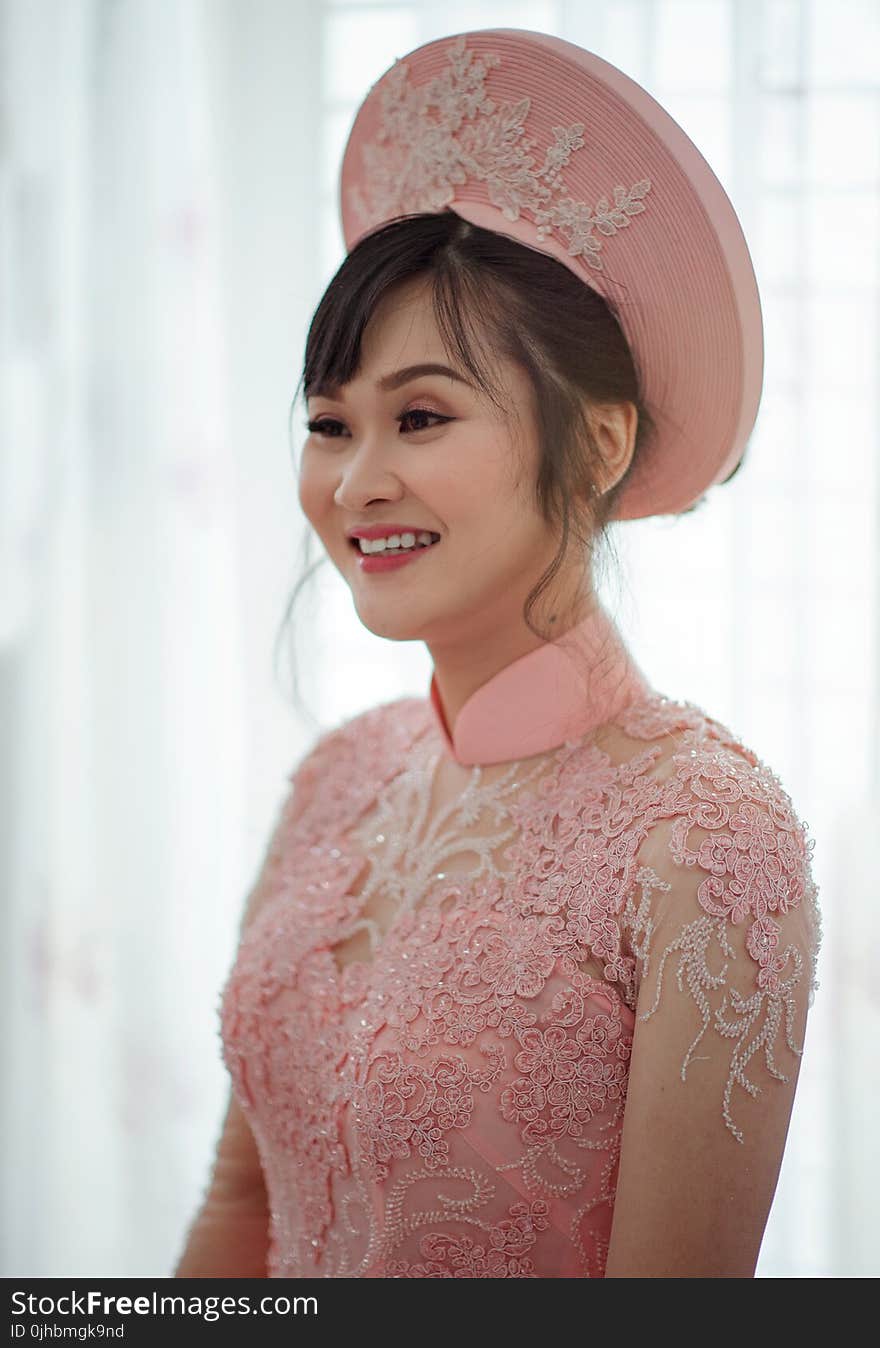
[(615, 426)]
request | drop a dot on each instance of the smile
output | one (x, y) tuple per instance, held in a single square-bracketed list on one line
[(390, 560)]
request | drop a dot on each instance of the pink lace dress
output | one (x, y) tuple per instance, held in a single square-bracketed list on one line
[(430, 1017)]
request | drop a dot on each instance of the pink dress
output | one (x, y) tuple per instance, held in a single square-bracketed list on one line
[(430, 1016)]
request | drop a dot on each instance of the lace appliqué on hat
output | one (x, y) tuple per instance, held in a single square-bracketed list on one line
[(438, 135)]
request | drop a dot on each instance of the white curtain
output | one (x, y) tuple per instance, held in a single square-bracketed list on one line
[(167, 225)]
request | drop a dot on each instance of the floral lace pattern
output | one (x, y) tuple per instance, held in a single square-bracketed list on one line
[(453, 1105), (754, 860), (448, 131)]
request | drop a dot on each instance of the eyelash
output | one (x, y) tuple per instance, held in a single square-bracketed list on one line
[(317, 427)]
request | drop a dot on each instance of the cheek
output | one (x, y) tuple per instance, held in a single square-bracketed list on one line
[(314, 490), (472, 482)]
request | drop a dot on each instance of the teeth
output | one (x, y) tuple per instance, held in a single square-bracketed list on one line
[(396, 542)]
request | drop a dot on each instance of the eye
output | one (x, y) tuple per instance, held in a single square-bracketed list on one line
[(321, 427), (324, 425), (422, 412)]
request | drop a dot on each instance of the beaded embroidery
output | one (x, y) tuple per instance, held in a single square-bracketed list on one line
[(448, 131), (453, 1106)]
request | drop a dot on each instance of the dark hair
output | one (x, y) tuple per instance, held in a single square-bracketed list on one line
[(488, 290)]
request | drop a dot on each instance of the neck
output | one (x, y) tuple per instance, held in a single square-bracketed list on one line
[(534, 695), (462, 668)]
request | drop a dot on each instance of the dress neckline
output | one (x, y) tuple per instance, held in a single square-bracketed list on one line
[(556, 693)]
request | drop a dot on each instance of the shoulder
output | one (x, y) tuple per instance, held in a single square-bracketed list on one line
[(339, 773), (710, 776), (684, 728), (389, 726), (332, 783), (722, 814), (702, 797)]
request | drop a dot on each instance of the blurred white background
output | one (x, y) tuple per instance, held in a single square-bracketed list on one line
[(168, 223)]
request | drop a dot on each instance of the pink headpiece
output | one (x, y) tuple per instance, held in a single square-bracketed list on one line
[(620, 195)]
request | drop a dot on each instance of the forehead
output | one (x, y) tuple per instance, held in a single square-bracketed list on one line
[(402, 330)]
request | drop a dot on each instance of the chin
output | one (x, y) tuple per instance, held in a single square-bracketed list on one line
[(391, 623)]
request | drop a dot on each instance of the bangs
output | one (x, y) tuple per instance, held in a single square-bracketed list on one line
[(468, 310)]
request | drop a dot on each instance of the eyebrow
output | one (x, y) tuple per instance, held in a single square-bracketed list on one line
[(392, 381)]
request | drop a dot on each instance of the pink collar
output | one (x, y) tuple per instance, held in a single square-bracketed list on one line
[(558, 692)]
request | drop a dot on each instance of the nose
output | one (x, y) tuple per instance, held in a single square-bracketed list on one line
[(365, 477)]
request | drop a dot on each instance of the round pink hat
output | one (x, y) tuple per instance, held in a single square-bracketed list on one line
[(538, 139)]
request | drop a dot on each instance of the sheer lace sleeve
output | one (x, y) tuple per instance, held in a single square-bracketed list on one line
[(722, 923), (725, 927)]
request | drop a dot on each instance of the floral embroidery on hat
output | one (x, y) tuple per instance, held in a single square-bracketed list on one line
[(418, 159)]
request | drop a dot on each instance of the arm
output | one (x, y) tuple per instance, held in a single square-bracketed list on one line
[(720, 1023), (229, 1237)]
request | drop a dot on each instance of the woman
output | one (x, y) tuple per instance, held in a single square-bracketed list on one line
[(522, 986)]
